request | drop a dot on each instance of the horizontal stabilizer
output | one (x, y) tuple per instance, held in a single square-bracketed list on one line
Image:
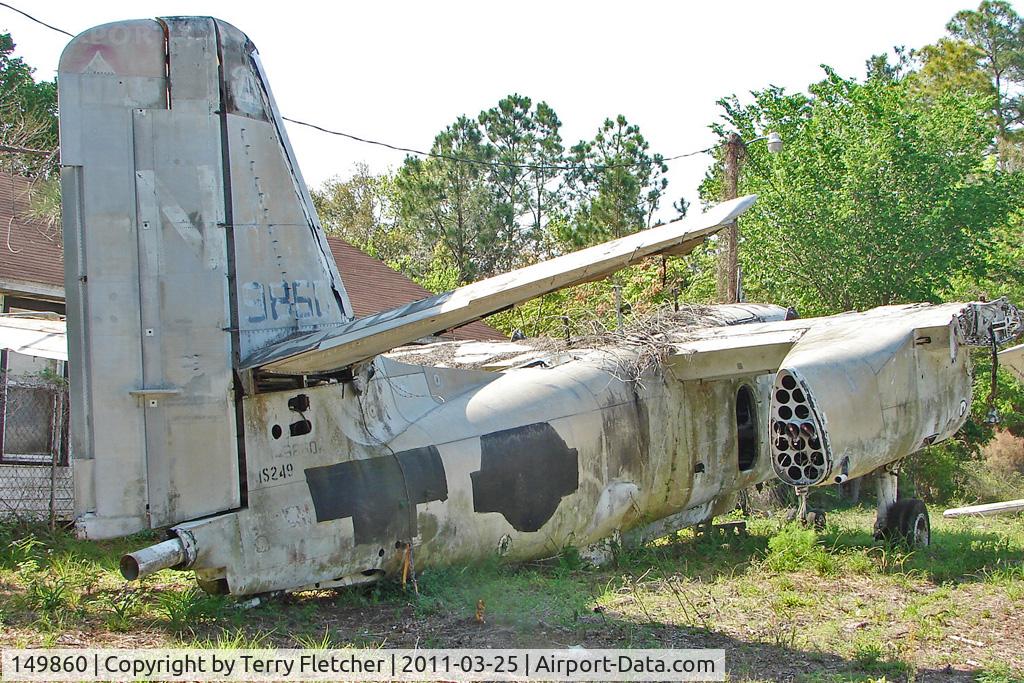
[(339, 347)]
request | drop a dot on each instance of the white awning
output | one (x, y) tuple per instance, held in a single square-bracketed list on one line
[(40, 337)]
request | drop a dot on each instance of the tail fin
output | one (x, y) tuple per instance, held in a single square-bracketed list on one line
[(190, 242)]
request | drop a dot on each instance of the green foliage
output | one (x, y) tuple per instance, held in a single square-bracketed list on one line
[(955, 470), (361, 210), (996, 31), (48, 595), (795, 548), (1001, 271), (481, 205), (528, 150), (498, 192), (951, 65), (28, 110), (590, 308), (999, 672), (875, 199), (188, 608), (123, 607), (449, 203), (18, 552), (616, 184)]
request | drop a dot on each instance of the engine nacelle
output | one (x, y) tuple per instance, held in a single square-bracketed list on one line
[(865, 390)]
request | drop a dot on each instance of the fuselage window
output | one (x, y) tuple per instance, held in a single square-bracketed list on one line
[(746, 428)]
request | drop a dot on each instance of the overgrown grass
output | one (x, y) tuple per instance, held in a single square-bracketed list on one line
[(846, 606)]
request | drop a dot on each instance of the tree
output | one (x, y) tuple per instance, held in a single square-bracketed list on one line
[(997, 31), (546, 203), (879, 66), (951, 66), (363, 211), (527, 152), (876, 198), (615, 182), (28, 111), (446, 201)]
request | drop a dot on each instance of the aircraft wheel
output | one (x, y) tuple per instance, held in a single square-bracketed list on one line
[(907, 522), (815, 519)]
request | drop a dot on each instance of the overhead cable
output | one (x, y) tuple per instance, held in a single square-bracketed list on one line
[(506, 164), (433, 155), (41, 23)]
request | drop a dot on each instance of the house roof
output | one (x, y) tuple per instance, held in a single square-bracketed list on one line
[(374, 287), (32, 263)]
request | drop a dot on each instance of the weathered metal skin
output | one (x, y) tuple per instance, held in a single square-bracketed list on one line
[(529, 461), (903, 387), (532, 460), (221, 387)]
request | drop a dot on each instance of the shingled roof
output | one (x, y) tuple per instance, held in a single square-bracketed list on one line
[(374, 287), (32, 263)]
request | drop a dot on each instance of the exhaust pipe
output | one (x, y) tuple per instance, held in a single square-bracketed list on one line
[(142, 563)]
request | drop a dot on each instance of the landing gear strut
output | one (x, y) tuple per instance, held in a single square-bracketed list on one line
[(812, 517), (902, 521)]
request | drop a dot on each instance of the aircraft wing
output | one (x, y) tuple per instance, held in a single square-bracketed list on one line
[(338, 347), (1013, 359)]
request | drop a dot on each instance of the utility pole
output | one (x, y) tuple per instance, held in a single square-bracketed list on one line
[(618, 308), (728, 254)]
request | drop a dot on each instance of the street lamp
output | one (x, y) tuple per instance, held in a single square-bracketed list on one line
[(728, 257)]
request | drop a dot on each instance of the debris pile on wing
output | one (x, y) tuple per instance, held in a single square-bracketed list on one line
[(656, 333)]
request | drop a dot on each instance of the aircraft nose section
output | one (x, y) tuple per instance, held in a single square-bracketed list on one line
[(801, 454)]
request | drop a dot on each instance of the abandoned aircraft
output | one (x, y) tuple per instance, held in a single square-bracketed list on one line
[(223, 389)]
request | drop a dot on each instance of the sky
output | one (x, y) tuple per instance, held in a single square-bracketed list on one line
[(400, 72)]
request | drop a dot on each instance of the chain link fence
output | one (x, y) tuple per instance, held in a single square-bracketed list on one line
[(35, 472)]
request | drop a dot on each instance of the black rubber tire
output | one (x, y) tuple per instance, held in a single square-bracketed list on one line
[(815, 519), (907, 523)]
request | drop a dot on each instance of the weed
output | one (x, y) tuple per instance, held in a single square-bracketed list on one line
[(237, 639), (790, 600), (569, 561), (1003, 574), (999, 673), (48, 595), (309, 642), (22, 554), (121, 608), (193, 606), (796, 549)]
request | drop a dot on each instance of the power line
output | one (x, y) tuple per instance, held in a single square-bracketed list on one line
[(492, 164), (409, 150), (41, 23)]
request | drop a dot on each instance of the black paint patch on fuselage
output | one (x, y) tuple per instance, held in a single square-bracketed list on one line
[(373, 492), (524, 474)]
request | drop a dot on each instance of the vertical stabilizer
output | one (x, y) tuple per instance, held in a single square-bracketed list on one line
[(190, 242)]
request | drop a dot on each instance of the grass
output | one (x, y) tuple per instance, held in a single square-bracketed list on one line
[(785, 602)]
